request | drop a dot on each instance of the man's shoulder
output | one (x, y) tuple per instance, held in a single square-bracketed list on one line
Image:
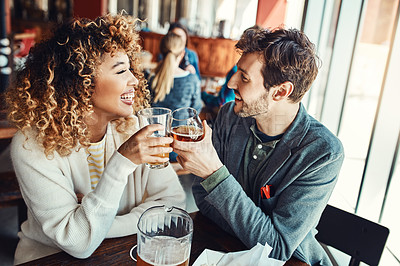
[(306, 131), (323, 136)]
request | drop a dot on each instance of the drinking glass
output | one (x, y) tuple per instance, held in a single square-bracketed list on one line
[(186, 125), (164, 237), (156, 115)]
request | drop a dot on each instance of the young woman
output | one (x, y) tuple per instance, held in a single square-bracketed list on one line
[(79, 153), (172, 87)]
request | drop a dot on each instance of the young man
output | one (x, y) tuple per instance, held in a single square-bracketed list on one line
[(270, 168)]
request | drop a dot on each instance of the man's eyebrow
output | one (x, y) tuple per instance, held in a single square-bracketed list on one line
[(242, 70)]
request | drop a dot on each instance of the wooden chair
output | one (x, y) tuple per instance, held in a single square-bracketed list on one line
[(362, 239), (10, 195)]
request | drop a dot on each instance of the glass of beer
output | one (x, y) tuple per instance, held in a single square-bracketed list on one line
[(186, 125), (164, 237), (156, 115)]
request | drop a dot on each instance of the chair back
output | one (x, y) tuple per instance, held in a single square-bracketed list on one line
[(360, 238)]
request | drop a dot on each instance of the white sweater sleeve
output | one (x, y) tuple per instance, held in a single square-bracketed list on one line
[(49, 194), (162, 188)]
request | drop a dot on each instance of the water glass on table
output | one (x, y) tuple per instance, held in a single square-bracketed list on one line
[(164, 237), (156, 115), (186, 125)]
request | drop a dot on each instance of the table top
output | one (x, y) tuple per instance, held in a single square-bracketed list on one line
[(115, 251)]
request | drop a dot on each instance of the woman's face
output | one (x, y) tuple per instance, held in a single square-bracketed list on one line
[(181, 33), (115, 87)]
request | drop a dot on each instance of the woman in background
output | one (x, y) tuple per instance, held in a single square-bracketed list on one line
[(171, 86), (190, 60), (79, 154)]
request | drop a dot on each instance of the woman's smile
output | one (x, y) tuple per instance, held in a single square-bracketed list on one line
[(128, 97)]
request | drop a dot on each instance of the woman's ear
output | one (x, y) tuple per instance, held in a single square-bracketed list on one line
[(283, 91)]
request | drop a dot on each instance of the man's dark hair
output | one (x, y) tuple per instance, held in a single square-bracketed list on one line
[(288, 55)]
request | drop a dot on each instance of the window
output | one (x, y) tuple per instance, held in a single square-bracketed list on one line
[(356, 97)]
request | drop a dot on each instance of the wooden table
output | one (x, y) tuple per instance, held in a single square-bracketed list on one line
[(115, 251)]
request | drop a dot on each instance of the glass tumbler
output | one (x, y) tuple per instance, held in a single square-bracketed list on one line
[(156, 115), (186, 125), (164, 236)]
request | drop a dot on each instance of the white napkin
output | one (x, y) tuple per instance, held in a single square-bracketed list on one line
[(258, 255)]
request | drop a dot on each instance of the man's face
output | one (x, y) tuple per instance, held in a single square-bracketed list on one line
[(251, 97)]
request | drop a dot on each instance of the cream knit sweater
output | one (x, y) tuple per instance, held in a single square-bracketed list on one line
[(55, 219)]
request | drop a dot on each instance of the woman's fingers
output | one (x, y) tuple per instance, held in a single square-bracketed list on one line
[(143, 147), (148, 130)]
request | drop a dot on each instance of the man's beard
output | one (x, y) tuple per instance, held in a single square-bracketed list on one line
[(255, 108)]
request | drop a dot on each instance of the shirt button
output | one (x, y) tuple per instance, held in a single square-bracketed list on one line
[(259, 146), (255, 157)]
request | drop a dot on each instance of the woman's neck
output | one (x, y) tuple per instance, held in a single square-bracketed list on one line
[(97, 128)]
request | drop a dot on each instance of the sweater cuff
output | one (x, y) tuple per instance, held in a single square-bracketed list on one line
[(215, 178), (119, 167)]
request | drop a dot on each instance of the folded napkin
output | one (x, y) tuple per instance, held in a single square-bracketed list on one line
[(258, 255)]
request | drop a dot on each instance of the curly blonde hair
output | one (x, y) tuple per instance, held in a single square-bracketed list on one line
[(52, 92)]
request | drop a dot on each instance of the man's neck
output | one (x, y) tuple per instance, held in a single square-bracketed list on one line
[(277, 121)]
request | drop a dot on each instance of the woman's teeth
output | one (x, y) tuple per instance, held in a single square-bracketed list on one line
[(128, 96)]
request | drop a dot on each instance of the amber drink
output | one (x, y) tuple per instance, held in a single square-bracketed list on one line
[(157, 115), (187, 133), (186, 125)]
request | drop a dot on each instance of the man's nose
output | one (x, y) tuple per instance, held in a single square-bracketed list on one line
[(232, 83)]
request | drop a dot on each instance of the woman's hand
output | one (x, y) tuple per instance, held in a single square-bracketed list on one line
[(143, 148), (200, 158)]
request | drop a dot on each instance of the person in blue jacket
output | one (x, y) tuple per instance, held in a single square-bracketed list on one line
[(224, 95), (190, 60), (266, 170)]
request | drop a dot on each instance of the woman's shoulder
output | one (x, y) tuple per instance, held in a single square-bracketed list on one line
[(28, 136), (26, 146), (191, 53)]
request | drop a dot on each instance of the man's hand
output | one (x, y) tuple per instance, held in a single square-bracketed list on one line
[(200, 158), (143, 148)]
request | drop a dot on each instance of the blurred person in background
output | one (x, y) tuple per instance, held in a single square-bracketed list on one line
[(79, 154), (190, 60), (225, 94), (171, 86), (212, 103)]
